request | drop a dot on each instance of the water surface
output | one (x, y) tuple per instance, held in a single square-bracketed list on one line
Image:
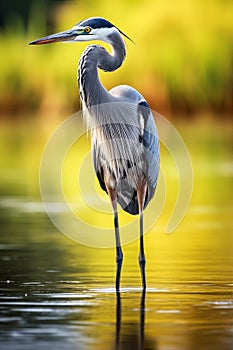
[(57, 293)]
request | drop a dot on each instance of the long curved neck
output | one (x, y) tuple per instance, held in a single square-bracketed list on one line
[(92, 92)]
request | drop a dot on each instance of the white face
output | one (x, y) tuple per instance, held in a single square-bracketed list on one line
[(88, 33)]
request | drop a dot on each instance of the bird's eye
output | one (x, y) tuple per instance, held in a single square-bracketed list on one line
[(87, 30)]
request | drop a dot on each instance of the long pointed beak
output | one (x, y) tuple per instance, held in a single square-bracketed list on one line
[(68, 35)]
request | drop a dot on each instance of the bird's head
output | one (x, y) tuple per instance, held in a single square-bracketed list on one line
[(95, 28)]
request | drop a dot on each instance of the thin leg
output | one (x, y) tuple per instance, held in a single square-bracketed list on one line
[(119, 255), (141, 258), (141, 194)]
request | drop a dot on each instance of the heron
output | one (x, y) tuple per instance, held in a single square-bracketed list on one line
[(125, 146)]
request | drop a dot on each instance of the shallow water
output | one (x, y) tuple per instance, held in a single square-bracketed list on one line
[(57, 293)]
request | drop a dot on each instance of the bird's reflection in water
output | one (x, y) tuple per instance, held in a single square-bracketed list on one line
[(134, 337), (118, 319)]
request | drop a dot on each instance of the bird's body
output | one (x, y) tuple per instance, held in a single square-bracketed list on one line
[(124, 137)]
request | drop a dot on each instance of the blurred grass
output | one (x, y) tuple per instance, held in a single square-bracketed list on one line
[(209, 145), (182, 60)]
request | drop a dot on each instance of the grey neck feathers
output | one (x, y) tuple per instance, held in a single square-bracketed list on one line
[(92, 92)]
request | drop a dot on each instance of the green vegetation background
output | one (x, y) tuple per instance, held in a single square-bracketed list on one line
[(182, 60), (181, 63)]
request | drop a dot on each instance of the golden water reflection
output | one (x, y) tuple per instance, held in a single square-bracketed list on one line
[(57, 293)]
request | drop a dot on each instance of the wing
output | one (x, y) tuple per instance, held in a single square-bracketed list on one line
[(148, 137), (150, 142), (125, 147)]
